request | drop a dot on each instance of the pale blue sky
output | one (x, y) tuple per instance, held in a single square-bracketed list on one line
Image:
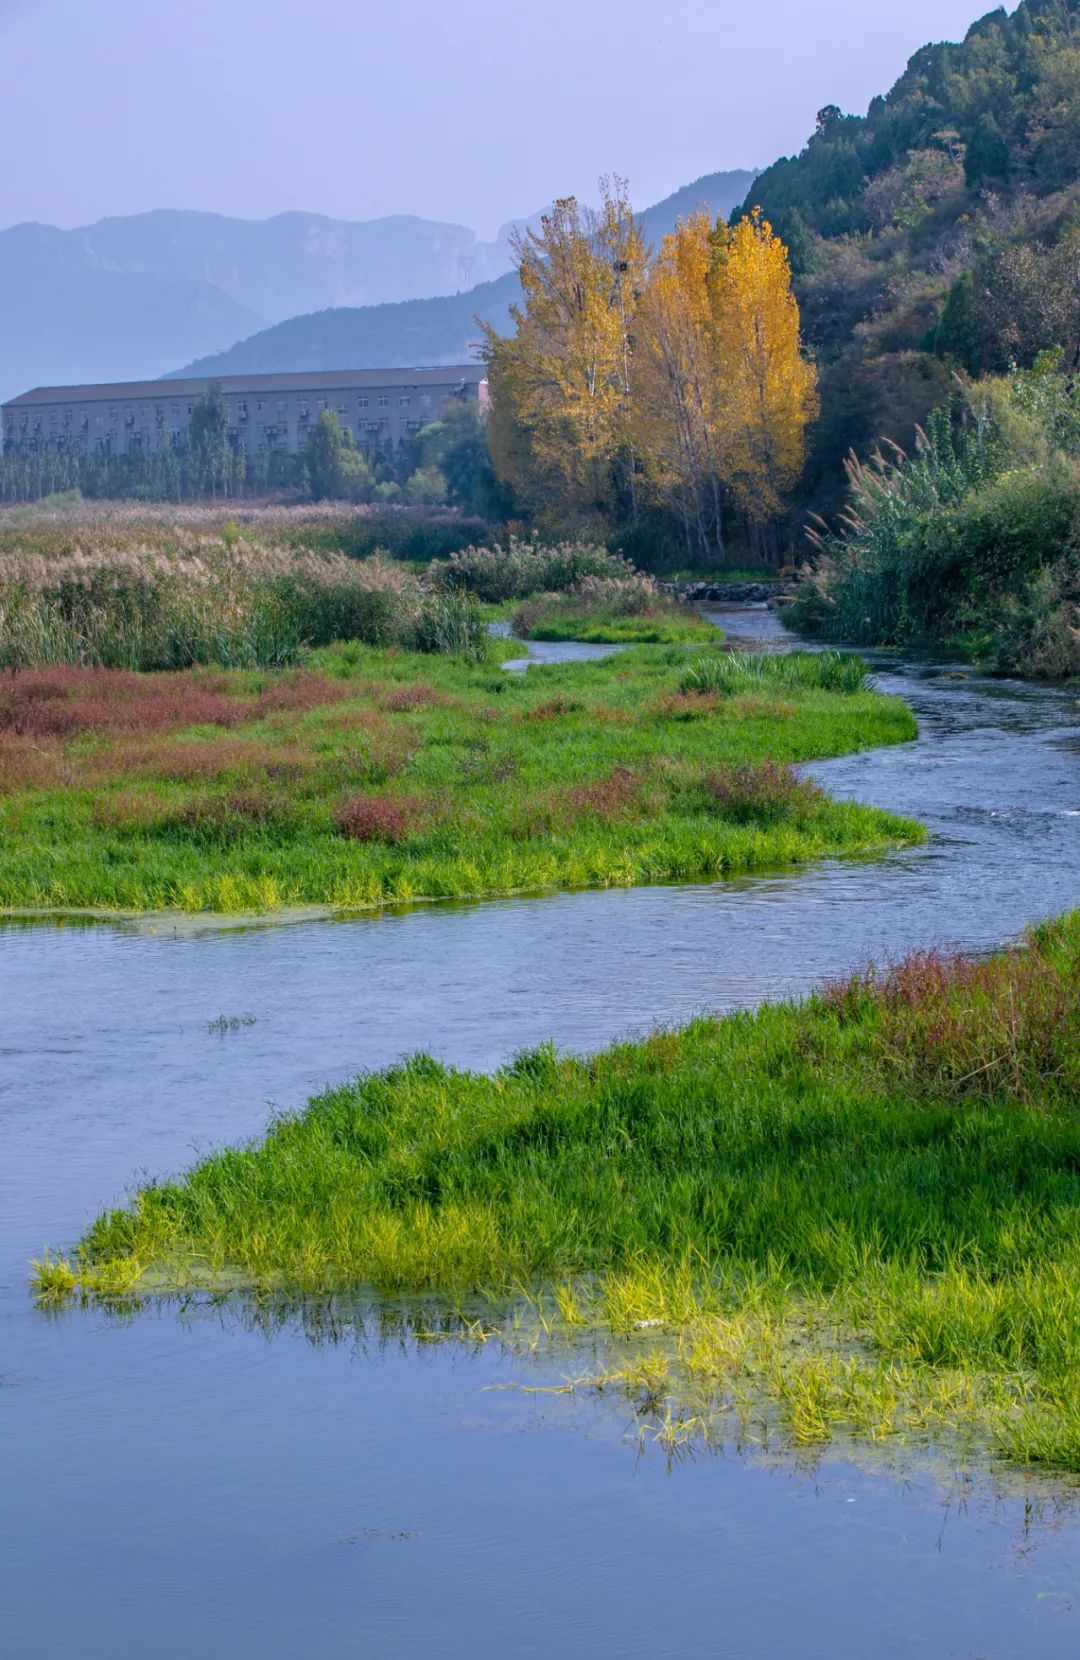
[(475, 111)]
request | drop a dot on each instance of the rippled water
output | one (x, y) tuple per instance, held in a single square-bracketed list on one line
[(170, 1487)]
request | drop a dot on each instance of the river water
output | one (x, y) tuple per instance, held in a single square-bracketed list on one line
[(175, 1484)]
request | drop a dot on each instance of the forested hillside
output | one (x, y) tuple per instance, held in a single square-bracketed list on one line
[(938, 231)]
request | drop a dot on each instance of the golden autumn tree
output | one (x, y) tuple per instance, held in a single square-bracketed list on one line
[(677, 404), (560, 385), (721, 391), (769, 385)]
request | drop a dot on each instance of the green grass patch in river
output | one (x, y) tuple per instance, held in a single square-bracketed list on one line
[(860, 1210)]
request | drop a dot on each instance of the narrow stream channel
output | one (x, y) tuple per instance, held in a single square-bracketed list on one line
[(173, 1486)]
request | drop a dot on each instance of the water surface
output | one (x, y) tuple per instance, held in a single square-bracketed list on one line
[(178, 1486)]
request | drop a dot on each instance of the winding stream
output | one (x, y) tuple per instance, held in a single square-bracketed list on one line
[(174, 1486)]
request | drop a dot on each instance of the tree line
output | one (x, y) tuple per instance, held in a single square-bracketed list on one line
[(638, 386), (445, 465)]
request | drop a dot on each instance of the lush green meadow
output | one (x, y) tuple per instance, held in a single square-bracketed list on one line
[(374, 776), (858, 1212)]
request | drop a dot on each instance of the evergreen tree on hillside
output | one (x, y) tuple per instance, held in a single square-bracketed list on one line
[(987, 158)]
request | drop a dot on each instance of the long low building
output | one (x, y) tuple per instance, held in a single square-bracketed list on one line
[(382, 408)]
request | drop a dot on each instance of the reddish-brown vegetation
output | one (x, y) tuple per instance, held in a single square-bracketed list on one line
[(752, 706), (62, 700), (298, 691), (400, 699), (966, 1027), (383, 818), (553, 707), (760, 789), (686, 705), (134, 809), (620, 795)]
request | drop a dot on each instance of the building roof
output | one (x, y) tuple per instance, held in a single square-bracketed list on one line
[(330, 379)]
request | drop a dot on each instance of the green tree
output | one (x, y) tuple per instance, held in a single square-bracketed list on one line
[(987, 158), (335, 467), (457, 445), (426, 488), (208, 442), (959, 333)]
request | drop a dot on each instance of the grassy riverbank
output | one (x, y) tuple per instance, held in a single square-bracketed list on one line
[(564, 622), (612, 611), (375, 776), (629, 609), (856, 1212)]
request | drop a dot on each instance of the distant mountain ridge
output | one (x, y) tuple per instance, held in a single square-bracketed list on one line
[(294, 261), (127, 297), (434, 330)]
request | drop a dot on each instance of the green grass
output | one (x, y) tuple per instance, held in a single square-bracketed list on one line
[(764, 671), (381, 776), (613, 611), (858, 1212)]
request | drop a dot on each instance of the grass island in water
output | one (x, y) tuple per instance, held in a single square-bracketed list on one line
[(385, 775), (859, 1210)]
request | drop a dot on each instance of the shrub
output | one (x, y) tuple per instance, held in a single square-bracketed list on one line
[(229, 602), (450, 623), (380, 818), (760, 790), (520, 569), (970, 542)]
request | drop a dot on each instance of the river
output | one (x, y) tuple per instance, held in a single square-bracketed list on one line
[(175, 1484)]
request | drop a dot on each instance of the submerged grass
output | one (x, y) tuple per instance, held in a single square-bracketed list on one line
[(859, 1211), (380, 775)]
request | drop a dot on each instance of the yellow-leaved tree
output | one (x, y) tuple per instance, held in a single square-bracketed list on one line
[(769, 386), (677, 403), (560, 385)]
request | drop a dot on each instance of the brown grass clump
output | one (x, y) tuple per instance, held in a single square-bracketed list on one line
[(686, 705), (400, 699), (619, 796), (382, 818), (62, 700), (962, 1028), (611, 714), (28, 763), (552, 708), (133, 809), (225, 816), (759, 790), (298, 691), (752, 706), (193, 759)]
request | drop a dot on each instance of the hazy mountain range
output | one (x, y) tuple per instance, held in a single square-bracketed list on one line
[(136, 297)]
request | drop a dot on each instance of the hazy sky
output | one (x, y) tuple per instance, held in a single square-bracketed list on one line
[(475, 111)]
